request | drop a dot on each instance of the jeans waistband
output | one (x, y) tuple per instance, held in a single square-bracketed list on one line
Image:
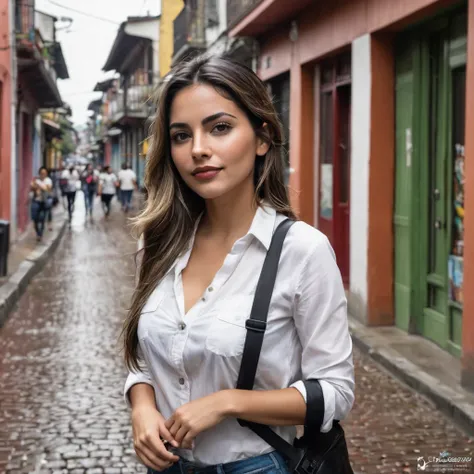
[(272, 462)]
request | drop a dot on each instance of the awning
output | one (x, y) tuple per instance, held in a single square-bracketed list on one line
[(52, 129), (40, 83), (267, 15)]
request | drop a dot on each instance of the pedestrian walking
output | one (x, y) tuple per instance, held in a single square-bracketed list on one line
[(108, 184), (216, 210), (41, 202), (90, 181), (128, 182), (71, 183)]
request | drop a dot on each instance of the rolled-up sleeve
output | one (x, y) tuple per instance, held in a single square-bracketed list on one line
[(322, 326), (135, 377)]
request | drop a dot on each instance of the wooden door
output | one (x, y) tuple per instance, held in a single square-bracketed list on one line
[(430, 83), (335, 140), (342, 179)]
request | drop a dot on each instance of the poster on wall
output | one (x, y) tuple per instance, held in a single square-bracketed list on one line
[(456, 276), (326, 191), (455, 262)]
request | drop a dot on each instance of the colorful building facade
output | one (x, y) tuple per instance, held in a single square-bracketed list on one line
[(381, 108)]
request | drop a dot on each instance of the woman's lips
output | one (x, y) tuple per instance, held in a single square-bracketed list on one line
[(207, 175)]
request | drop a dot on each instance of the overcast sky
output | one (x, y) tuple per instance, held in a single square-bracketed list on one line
[(87, 43)]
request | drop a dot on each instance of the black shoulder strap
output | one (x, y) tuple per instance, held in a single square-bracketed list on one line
[(256, 326)]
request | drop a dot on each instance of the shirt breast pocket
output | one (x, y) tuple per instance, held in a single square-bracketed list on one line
[(227, 331)]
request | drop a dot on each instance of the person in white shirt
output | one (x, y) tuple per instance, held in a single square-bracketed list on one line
[(71, 183), (215, 183), (41, 202), (107, 189), (128, 182)]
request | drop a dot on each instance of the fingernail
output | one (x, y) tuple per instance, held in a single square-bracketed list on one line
[(175, 444)]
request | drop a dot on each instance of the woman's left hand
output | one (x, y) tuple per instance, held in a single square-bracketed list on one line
[(197, 416)]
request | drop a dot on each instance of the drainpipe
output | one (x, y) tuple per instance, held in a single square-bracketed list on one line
[(14, 116)]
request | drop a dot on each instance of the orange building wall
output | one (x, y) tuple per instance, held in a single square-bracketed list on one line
[(328, 27), (5, 113), (468, 310)]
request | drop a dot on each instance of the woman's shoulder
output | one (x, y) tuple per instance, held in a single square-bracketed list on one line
[(303, 239)]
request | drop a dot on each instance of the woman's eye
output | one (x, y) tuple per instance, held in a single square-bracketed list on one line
[(221, 128), (180, 137)]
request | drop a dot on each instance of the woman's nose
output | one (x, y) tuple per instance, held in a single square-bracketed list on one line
[(200, 147)]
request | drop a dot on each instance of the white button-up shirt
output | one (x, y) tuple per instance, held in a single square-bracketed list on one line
[(187, 357)]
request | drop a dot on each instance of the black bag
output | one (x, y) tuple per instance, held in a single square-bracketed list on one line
[(315, 452)]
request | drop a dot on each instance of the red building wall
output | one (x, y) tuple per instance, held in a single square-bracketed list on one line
[(5, 113)]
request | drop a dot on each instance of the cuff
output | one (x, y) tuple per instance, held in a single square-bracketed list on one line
[(301, 388), (329, 405), (133, 379), (329, 402)]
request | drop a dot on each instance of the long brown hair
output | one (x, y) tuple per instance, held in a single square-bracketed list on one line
[(172, 208)]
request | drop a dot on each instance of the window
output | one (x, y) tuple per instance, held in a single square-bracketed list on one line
[(212, 13)]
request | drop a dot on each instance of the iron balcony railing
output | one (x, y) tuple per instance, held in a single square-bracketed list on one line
[(238, 9), (133, 100), (189, 28)]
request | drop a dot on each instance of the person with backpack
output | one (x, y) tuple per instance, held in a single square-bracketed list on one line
[(90, 183)]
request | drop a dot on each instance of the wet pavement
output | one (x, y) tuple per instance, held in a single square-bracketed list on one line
[(61, 374)]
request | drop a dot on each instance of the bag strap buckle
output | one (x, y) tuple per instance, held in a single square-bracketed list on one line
[(255, 325)]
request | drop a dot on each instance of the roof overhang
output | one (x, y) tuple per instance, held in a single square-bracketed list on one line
[(128, 38), (105, 85), (60, 63), (266, 15), (45, 91)]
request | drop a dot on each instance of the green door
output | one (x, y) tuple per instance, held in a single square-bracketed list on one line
[(404, 93), (429, 133)]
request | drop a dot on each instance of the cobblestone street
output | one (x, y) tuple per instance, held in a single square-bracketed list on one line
[(61, 374)]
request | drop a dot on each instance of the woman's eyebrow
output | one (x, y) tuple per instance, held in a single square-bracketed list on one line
[(204, 121)]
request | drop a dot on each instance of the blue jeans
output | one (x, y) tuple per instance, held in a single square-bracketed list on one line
[(272, 463), (89, 195), (38, 215), (126, 197)]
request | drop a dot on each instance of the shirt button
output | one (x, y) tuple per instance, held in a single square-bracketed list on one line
[(182, 326), (181, 381), (210, 289)]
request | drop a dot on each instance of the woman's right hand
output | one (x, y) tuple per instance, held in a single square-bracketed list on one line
[(148, 432)]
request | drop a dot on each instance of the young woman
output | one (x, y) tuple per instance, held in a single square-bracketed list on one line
[(107, 187), (215, 196), (90, 183), (41, 203), (70, 179)]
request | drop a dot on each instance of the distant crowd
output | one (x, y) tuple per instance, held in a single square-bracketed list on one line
[(48, 189)]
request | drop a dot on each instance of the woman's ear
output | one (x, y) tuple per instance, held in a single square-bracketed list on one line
[(263, 141)]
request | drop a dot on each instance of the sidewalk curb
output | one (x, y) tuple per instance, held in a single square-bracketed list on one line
[(449, 401), (12, 290)]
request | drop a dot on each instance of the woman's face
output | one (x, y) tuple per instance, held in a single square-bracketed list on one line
[(213, 144), (43, 174)]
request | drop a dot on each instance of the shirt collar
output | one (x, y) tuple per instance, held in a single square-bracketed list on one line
[(262, 228), (263, 224)]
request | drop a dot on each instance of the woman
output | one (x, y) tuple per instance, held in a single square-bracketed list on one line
[(215, 195), (108, 183), (89, 187), (70, 179), (41, 203)]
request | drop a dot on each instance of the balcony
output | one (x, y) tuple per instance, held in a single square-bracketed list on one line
[(133, 102), (189, 32), (238, 10)]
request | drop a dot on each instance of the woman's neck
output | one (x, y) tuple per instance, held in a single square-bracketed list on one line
[(229, 216)]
